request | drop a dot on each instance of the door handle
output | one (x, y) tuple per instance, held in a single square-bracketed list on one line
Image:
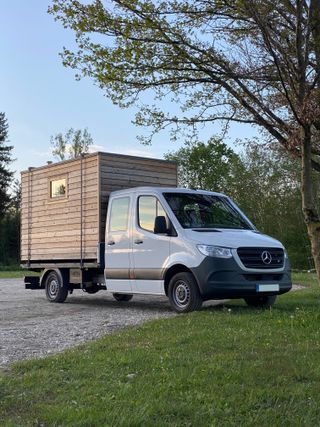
[(138, 241), (110, 243)]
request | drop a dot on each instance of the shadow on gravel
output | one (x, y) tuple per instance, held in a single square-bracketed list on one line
[(138, 304)]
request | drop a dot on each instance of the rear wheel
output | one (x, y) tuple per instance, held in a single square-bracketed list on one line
[(183, 293), (122, 297), (262, 301), (56, 290)]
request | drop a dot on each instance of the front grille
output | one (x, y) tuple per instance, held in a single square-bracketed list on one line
[(261, 258)]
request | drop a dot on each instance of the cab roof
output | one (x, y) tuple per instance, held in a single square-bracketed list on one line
[(160, 190)]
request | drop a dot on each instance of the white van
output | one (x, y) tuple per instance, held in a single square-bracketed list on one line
[(192, 246), (189, 245)]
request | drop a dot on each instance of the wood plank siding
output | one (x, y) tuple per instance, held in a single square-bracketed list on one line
[(60, 228), (70, 227)]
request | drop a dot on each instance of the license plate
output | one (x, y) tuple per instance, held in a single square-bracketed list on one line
[(267, 288)]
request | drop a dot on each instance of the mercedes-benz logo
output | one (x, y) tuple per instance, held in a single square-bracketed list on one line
[(266, 257)]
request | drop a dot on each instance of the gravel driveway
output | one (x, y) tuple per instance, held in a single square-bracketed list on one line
[(30, 326)]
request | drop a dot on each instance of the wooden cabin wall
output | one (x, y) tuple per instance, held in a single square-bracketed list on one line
[(120, 171), (51, 228)]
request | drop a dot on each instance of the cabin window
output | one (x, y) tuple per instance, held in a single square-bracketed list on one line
[(149, 209), (119, 214), (58, 188)]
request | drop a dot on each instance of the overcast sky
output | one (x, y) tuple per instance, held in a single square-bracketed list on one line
[(41, 98)]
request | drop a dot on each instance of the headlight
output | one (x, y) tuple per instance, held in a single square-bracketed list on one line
[(215, 251), (286, 254)]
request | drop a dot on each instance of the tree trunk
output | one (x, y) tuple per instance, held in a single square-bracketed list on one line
[(309, 205)]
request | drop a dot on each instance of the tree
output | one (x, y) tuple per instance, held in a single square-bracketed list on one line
[(263, 182), (5, 160), (248, 61), (267, 189), (72, 144), (10, 229), (208, 166)]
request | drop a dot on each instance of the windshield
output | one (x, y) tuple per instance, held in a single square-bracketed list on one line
[(201, 211)]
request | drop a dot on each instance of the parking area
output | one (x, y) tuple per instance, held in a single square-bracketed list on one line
[(30, 326)]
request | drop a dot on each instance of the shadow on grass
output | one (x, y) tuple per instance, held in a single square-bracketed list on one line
[(308, 302)]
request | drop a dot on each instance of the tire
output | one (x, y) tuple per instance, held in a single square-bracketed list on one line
[(183, 293), (92, 289), (122, 297), (261, 301), (56, 290)]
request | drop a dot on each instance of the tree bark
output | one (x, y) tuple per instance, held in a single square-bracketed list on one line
[(309, 206)]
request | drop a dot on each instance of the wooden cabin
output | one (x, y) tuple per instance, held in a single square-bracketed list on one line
[(64, 205)]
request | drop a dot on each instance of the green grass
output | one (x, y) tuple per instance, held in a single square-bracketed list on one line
[(18, 274), (226, 366), (7, 272), (13, 274)]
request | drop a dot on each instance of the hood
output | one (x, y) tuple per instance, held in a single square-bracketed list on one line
[(232, 238)]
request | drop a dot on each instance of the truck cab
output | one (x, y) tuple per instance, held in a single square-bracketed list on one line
[(192, 246)]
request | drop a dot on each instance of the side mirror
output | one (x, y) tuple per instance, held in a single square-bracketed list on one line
[(160, 225)]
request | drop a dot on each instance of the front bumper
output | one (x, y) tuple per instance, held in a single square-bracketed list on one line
[(223, 278)]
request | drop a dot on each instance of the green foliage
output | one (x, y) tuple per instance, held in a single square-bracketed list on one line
[(10, 238), (5, 160), (9, 204), (263, 182), (217, 61), (222, 366), (10, 230), (207, 166), (72, 144), (268, 191)]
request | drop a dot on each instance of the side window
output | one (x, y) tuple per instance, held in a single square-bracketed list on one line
[(148, 208), (119, 214), (58, 188)]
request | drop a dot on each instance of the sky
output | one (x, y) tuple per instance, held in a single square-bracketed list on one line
[(41, 98)]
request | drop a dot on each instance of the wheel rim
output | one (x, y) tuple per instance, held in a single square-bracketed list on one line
[(53, 288), (181, 294)]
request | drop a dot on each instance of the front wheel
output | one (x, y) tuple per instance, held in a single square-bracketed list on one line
[(183, 293), (56, 290), (261, 301)]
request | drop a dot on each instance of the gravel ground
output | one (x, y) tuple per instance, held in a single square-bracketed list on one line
[(30, 326)]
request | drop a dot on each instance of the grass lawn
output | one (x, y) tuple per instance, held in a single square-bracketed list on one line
[(227, 366), (7, 273), (13, 274)]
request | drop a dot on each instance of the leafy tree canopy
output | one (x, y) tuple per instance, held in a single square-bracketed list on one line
[(263, 182), (246, 60), (71, 144), (205, 165)]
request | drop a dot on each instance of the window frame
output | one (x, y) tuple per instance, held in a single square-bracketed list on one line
[(222, 199), (138, 211), (128, 215), (61, 197)]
